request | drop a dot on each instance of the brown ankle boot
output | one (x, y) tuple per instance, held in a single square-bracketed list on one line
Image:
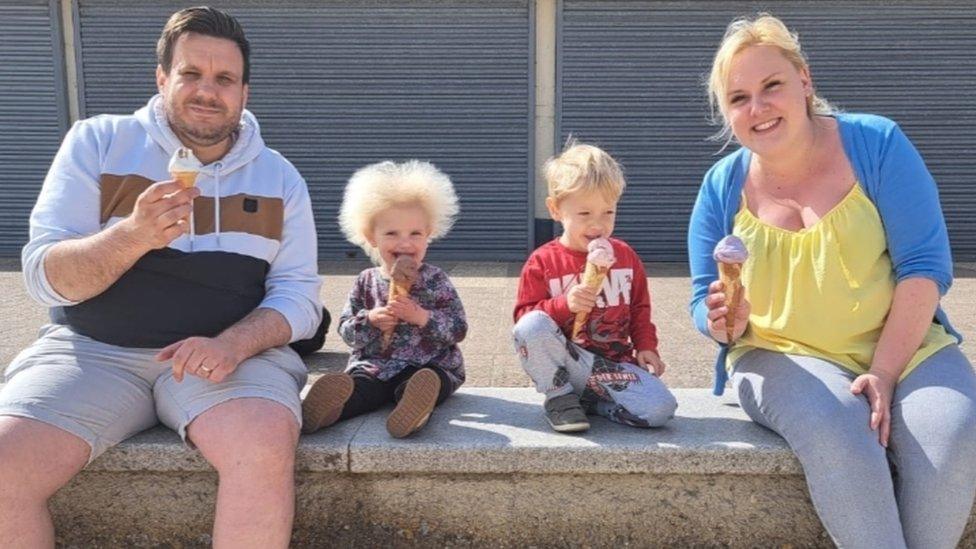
[(325, 399), (416, 404)]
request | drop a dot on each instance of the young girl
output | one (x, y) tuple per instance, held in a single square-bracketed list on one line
[(404, 349)]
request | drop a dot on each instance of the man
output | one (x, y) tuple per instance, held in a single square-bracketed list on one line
[(155, 316)]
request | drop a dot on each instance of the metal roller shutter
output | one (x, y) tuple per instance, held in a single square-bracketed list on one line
[(337, 85), (631, 79), (33, 112)]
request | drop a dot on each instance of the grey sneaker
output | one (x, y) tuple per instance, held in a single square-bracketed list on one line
[(565, 414)]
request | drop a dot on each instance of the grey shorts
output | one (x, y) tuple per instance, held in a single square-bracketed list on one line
[(104, 394)]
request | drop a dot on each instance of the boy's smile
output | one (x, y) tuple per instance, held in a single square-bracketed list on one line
[(585, 216)]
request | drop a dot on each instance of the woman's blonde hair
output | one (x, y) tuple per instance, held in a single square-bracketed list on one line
[(583, 168), (762, 30), (381, 186)]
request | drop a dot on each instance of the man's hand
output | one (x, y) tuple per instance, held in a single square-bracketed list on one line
[(81, 268), (204, 357), (581, 299), (160, 214), (382, 319), (408, 310), (649, 361)]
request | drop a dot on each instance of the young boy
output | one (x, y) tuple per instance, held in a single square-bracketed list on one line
[(611, 367)]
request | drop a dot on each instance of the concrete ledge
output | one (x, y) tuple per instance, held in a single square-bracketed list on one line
[(502, 430), (487, 471), (494, 430)]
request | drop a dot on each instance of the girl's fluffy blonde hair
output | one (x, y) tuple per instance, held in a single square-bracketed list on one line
[(583, 168), (380, 186), (762, 30)]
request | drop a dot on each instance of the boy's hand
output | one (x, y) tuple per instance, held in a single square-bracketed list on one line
[(382, 319), (407, 310), (581, 299), (649, 361)]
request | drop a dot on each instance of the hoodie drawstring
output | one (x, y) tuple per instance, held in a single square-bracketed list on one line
[(217, 168)]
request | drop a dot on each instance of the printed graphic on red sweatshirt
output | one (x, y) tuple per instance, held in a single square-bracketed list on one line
[(607, 327), (615, 290)]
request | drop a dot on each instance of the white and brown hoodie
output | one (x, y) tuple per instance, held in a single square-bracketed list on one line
[(254, 243)]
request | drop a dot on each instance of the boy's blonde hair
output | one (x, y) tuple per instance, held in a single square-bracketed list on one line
[(742, 33), (380, 186), (583, 168)]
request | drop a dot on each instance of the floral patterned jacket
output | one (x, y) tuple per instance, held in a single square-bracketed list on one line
[(433, 345)]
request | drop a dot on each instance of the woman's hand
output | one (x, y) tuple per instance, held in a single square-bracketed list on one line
[(878, 388), (717, 309)]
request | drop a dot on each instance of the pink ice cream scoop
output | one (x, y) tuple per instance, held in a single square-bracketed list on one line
[(600, 253), (730, 250)]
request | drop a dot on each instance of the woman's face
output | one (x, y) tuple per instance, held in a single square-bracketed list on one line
[(766, 100)]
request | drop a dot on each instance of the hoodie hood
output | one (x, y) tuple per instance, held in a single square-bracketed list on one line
[(246, 148), (249, 143)]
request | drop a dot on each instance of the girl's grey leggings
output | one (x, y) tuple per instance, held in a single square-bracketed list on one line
[(919, 491)]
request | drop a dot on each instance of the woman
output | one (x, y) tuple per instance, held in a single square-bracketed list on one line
[(840, 345)]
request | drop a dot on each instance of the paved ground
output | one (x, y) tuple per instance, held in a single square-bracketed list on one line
[(488, 292)]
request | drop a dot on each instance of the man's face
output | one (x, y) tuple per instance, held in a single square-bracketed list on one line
[(204, 92)]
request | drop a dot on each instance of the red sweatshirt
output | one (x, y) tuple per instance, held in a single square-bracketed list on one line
[(621, 320)]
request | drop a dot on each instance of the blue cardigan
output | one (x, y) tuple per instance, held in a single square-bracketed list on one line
[(893, 176)]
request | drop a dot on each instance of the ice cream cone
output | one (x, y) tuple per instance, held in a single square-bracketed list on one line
[(730, 275), (184, 167), (395, 290), (599, 259), (593, 279), (185, 179), (730, 253), (404, 272)]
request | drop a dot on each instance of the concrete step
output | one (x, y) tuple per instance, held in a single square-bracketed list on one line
[(486, 471)]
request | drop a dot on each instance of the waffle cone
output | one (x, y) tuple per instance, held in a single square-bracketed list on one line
[(185, 179), (731, 276), (395, 290), (593, 279)]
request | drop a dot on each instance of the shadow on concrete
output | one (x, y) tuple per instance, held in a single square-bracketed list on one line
[(326, 361), (524, 422)]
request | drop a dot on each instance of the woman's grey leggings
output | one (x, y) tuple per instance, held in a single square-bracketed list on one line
[(919, 492)]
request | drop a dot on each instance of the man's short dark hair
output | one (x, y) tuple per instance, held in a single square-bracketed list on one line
[(208, 22)]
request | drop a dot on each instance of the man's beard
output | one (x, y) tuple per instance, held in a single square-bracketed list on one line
[(205, 136)]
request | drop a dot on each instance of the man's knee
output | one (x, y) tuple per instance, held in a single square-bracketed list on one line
[(532, 326), (36, 459), (257, 435)]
